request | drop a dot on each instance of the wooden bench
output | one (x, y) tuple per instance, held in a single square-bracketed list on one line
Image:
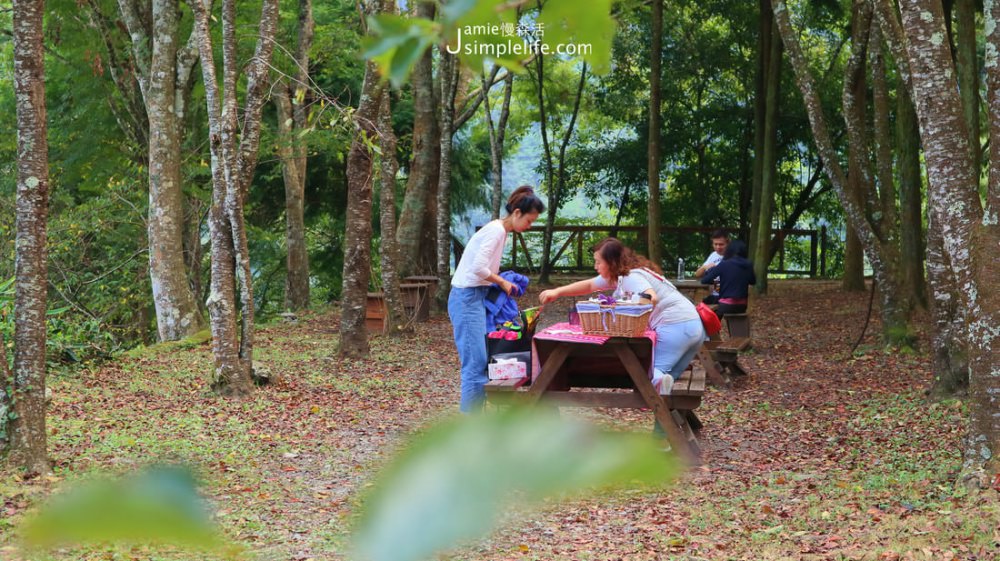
[(416, 305), (684, 398), (376, 313), (416, 300), (726, 353), (738, 325), (508, 385)]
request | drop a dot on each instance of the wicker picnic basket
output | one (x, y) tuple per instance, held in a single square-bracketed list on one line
[(615, 320)]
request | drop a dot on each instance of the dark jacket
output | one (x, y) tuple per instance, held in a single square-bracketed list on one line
[(735, 276), (499, 306)]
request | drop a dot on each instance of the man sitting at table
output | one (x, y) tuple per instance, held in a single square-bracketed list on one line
[(720, 239)]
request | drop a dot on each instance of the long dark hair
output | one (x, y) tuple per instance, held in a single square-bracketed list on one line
[(621, 259), (524, 199)]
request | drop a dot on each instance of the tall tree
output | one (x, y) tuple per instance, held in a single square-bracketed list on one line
[(969, 229), (448, 79), (653, 152), (26, 387), (911, 221), (555, 166), (163, 67), (415, 217), (358, 235), (764, 199), (389, 249), (765, 35), (874, 227), (856, 87), (950, 347), (289, 97), (234, 146), (498, 133)]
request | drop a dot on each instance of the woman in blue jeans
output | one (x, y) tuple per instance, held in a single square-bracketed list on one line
[(476, 271), (679, 332)]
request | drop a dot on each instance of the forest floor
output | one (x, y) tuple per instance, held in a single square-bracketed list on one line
[(820, 455)]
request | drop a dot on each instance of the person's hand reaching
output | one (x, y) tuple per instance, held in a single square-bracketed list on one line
[(511, 289)]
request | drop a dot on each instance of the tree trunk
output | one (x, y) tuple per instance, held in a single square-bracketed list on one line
[(854, 262), (879, 208), (881, 256), (164, 70), (968, 74), (193, 251), (858, 179), (746, 176), (233, 163), (358, 235), (292, 149), (448, 70), (968, 232), (910, 188), (389, 250), (949, 348), (550, 175), (497, 135), (556, 175), (983, 297), (769, 167), (765, 35), (414, 219), (653, 154), (26, 430)]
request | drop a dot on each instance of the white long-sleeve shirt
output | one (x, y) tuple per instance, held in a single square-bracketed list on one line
[(481, 257)]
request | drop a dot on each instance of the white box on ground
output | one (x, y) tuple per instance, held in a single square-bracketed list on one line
[(507, 368)]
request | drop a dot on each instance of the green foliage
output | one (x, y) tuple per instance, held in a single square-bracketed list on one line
[(565, 23), (397, 42), (159, 506), (452, 483), (403, 41), (97, 271)]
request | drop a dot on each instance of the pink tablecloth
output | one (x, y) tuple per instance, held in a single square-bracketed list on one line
[(572, 334)]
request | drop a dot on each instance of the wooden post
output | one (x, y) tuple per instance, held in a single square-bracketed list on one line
[(812, 254), (579, 250), (822, 252), (513, 251)]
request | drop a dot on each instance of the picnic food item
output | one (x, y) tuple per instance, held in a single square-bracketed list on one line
[(619, 319)]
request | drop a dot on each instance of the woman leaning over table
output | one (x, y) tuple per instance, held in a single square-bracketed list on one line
[(679, 332), (476, 272)]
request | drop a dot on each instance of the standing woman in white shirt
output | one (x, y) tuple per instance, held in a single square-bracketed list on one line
[(476, 271)]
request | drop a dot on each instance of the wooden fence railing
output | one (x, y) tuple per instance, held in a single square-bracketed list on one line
[(571, 248)]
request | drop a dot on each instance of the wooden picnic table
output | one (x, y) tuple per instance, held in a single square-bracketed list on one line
[(579, 373), (692, 288)]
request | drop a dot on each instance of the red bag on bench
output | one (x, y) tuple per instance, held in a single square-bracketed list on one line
[(709, 320)]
